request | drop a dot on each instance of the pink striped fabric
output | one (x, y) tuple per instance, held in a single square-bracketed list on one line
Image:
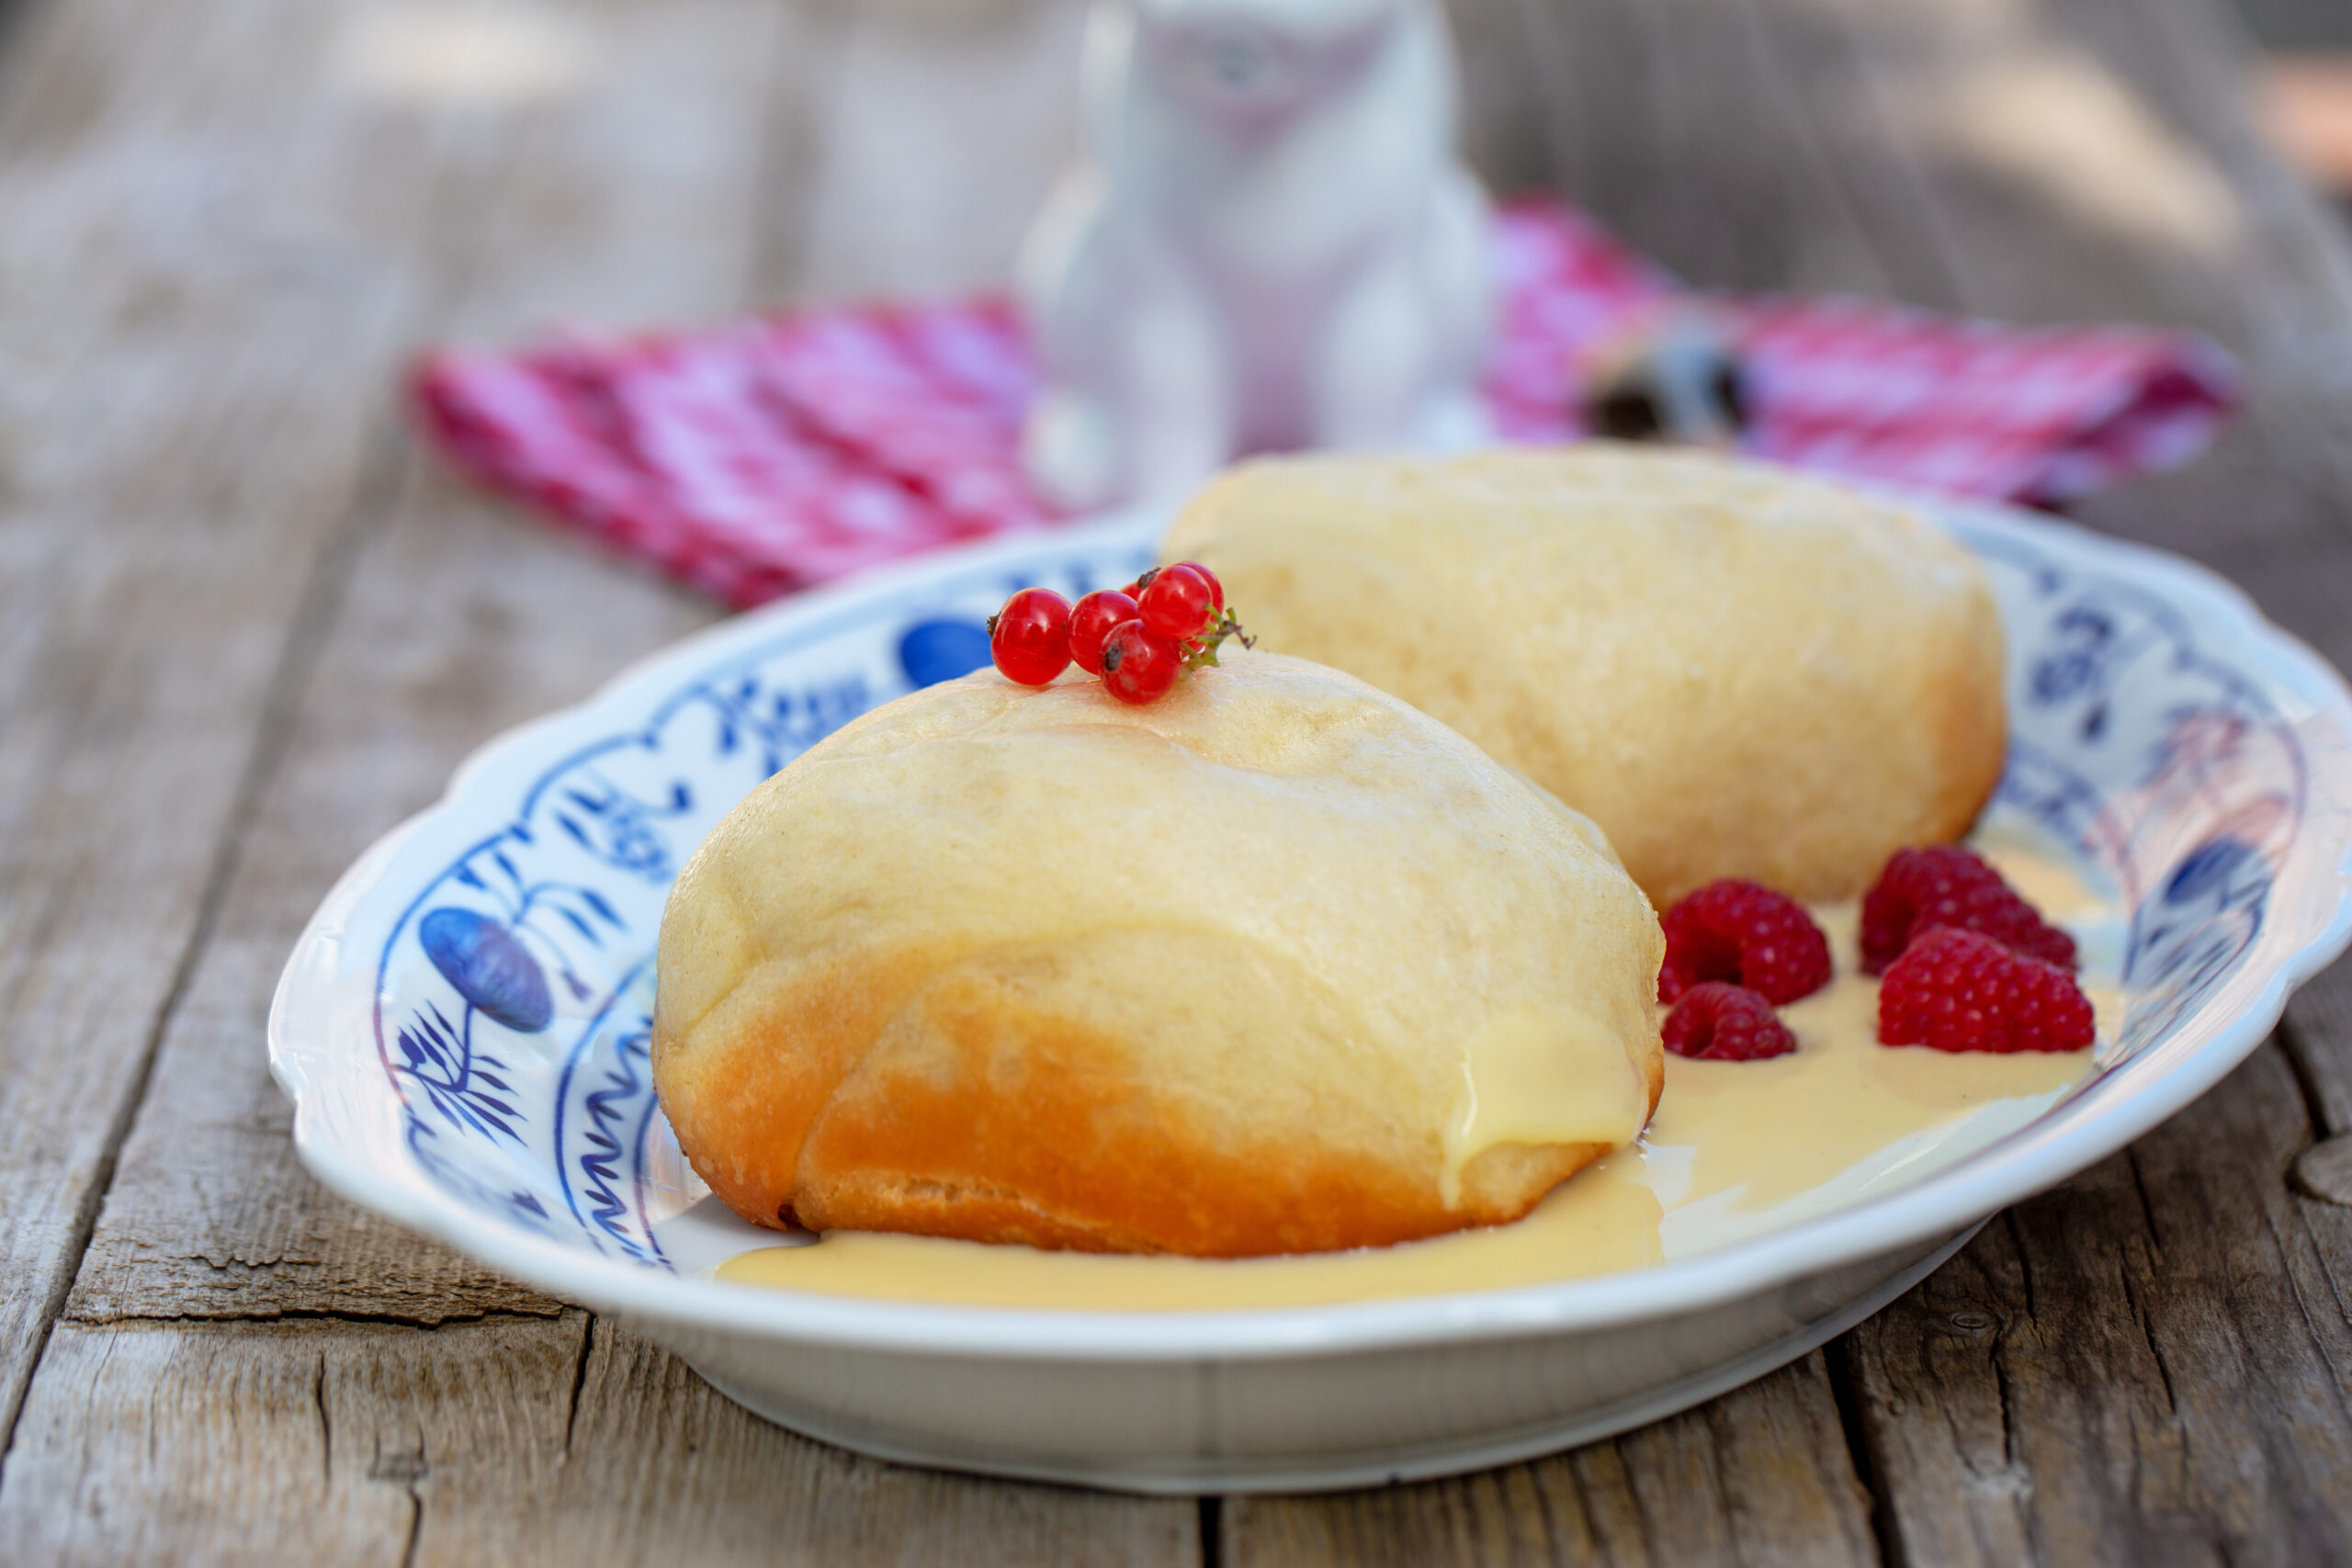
[(766, 455)]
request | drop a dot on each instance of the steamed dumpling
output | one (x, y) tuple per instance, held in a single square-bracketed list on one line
[(1734, 669), (1277, 964)]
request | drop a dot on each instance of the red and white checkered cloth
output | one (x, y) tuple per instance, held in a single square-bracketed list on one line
[(767, 455)]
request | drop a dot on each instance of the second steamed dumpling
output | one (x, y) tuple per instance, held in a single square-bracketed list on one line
[(1734, 669)]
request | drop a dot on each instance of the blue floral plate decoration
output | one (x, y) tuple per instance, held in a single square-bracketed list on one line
[(464, 1028)]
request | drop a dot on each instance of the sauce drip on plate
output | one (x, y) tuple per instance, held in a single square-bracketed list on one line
[(1735, 1149)]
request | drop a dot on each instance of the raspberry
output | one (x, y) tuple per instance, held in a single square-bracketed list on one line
[(1961, 990), (1944, 884), (1716, 1023), (1748, 935)]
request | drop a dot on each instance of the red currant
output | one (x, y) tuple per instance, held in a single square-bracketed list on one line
[(1178, 604), (1092, 621), (1029, 638), (1216, 589), (1137, 666)]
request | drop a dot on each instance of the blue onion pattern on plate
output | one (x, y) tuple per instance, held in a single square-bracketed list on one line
[(514, 997), (544, 926), (466, 1031)]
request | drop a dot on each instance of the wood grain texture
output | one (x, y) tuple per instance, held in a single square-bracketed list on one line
[(1758, 1477), (457, 619), (243, 629), (448, 621), (193, 350), (318, 1442), (2325, 1171), (1681, 126), (509, 1441), (459, 622), (2146, 1365), (2318, 1040), (668, 1471), (2198, 225), (2073, 160)]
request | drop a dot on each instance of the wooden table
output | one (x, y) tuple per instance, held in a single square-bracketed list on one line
[(246, 627)]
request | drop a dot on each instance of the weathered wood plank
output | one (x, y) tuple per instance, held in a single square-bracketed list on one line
[(2318, 1038), (663, 1469), (1791, 178), (318, 1442), (455, 623), (639, 198), (1954, 155), (1594, 101), (460, 621), (2146, 1365), (1758, 1477), (2093, 161), (1684, 128), (195, 347), (509, 1441)]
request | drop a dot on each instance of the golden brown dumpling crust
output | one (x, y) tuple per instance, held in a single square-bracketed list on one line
[(1205, 976), (1736, 670)]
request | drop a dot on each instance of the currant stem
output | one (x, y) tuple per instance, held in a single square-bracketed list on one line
[(1201, 652)]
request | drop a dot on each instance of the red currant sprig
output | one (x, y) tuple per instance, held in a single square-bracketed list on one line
[(1140, 639)]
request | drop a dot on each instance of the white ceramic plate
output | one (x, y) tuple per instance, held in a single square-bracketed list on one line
[(463, 1029)]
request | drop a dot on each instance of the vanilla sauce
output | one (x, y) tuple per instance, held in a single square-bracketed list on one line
[(1735, 1150)]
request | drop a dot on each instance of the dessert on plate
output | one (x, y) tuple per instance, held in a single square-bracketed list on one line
[(1274, 964), (1736, 671), (1253, 958)]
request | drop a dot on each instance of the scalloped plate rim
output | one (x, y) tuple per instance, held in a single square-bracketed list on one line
[(2063, 1143)]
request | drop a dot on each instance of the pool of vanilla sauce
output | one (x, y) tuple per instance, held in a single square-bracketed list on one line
[(1735, 1149)]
